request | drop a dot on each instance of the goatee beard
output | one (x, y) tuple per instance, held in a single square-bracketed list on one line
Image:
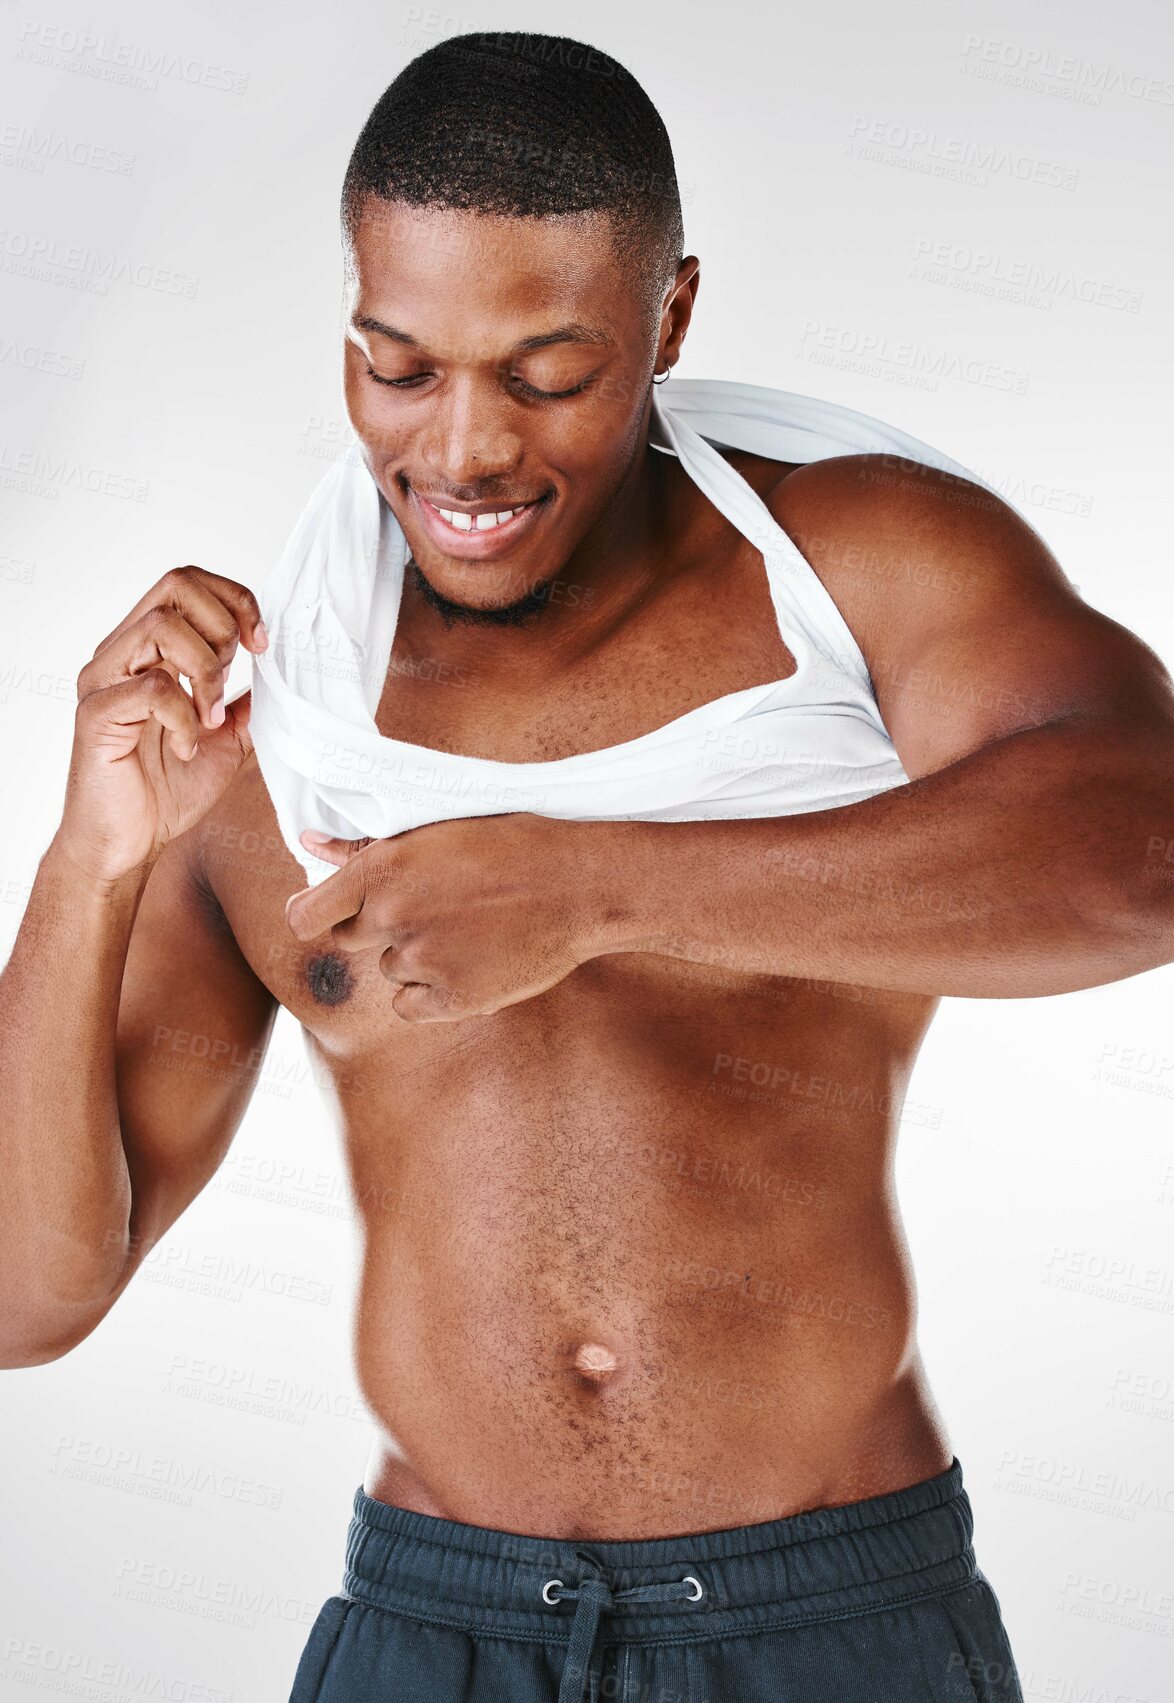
[(536, 599)]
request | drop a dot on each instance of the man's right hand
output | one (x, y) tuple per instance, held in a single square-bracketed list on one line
[(148, 759)]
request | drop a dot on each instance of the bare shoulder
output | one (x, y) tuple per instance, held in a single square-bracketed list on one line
[(895, 541), (969, 625)]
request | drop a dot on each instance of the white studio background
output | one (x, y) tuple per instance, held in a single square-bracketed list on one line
[(945, 216)]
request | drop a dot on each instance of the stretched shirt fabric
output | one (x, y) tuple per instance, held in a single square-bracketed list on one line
[(812, 741)]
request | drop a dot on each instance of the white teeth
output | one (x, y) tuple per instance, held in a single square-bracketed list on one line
[(482, 522)]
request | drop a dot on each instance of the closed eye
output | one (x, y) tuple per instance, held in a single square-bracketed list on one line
[(400, 383), (414, 379), (553, 395)]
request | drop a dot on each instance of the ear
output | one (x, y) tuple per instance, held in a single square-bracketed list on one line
[(678, 311)]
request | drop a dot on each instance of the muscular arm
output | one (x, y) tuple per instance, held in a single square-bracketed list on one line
[(1026, 855), (107, 1138)]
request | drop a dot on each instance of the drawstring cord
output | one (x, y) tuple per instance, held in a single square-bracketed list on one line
[(593, 1596)]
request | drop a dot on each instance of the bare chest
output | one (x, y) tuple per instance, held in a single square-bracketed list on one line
[(715, 633), (711, 630), (615, 1027)]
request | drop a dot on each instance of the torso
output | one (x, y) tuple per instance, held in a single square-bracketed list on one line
[(632, 1258)]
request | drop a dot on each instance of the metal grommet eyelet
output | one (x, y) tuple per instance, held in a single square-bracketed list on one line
[(546, 1588), (690, 1580)]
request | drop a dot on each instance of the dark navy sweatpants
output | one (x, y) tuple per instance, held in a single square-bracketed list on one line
[(876, 1601)]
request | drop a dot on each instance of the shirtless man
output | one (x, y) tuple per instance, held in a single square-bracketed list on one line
[(645, 1432)]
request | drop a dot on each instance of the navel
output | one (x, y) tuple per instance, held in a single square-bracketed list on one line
[(329, 978), (595, 1361)]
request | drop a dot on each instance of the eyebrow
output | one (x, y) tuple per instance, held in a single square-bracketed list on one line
[(572, 333)]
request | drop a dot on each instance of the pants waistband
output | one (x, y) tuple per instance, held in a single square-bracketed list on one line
[(829, 1562)]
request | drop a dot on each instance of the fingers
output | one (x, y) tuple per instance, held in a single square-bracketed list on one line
[(332, 850), (423, 1002), (190, 623), (129, 703), (190, 589), (353, 906), (357, 902), (162, 637), (417, 1000), (316, 909)]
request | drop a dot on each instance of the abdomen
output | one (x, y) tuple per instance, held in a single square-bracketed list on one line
[(637, 1237)]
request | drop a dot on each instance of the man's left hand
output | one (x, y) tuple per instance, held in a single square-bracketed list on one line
[(468, 916)]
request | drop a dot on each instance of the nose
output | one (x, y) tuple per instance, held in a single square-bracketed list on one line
[(469, 438)]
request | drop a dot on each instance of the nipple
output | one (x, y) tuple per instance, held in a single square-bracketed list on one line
[(329, 979), (594, 1360)]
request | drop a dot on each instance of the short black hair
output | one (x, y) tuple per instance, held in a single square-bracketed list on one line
[(528, 126)]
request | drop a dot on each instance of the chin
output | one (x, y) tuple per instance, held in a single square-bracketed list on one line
[(492, 596)]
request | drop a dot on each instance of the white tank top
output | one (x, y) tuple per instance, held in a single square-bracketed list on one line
[(813, 741)]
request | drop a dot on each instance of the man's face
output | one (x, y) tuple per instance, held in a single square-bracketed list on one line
[(486, 319)]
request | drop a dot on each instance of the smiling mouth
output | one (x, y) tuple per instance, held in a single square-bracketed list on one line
[(477, 520), (480, 531)]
